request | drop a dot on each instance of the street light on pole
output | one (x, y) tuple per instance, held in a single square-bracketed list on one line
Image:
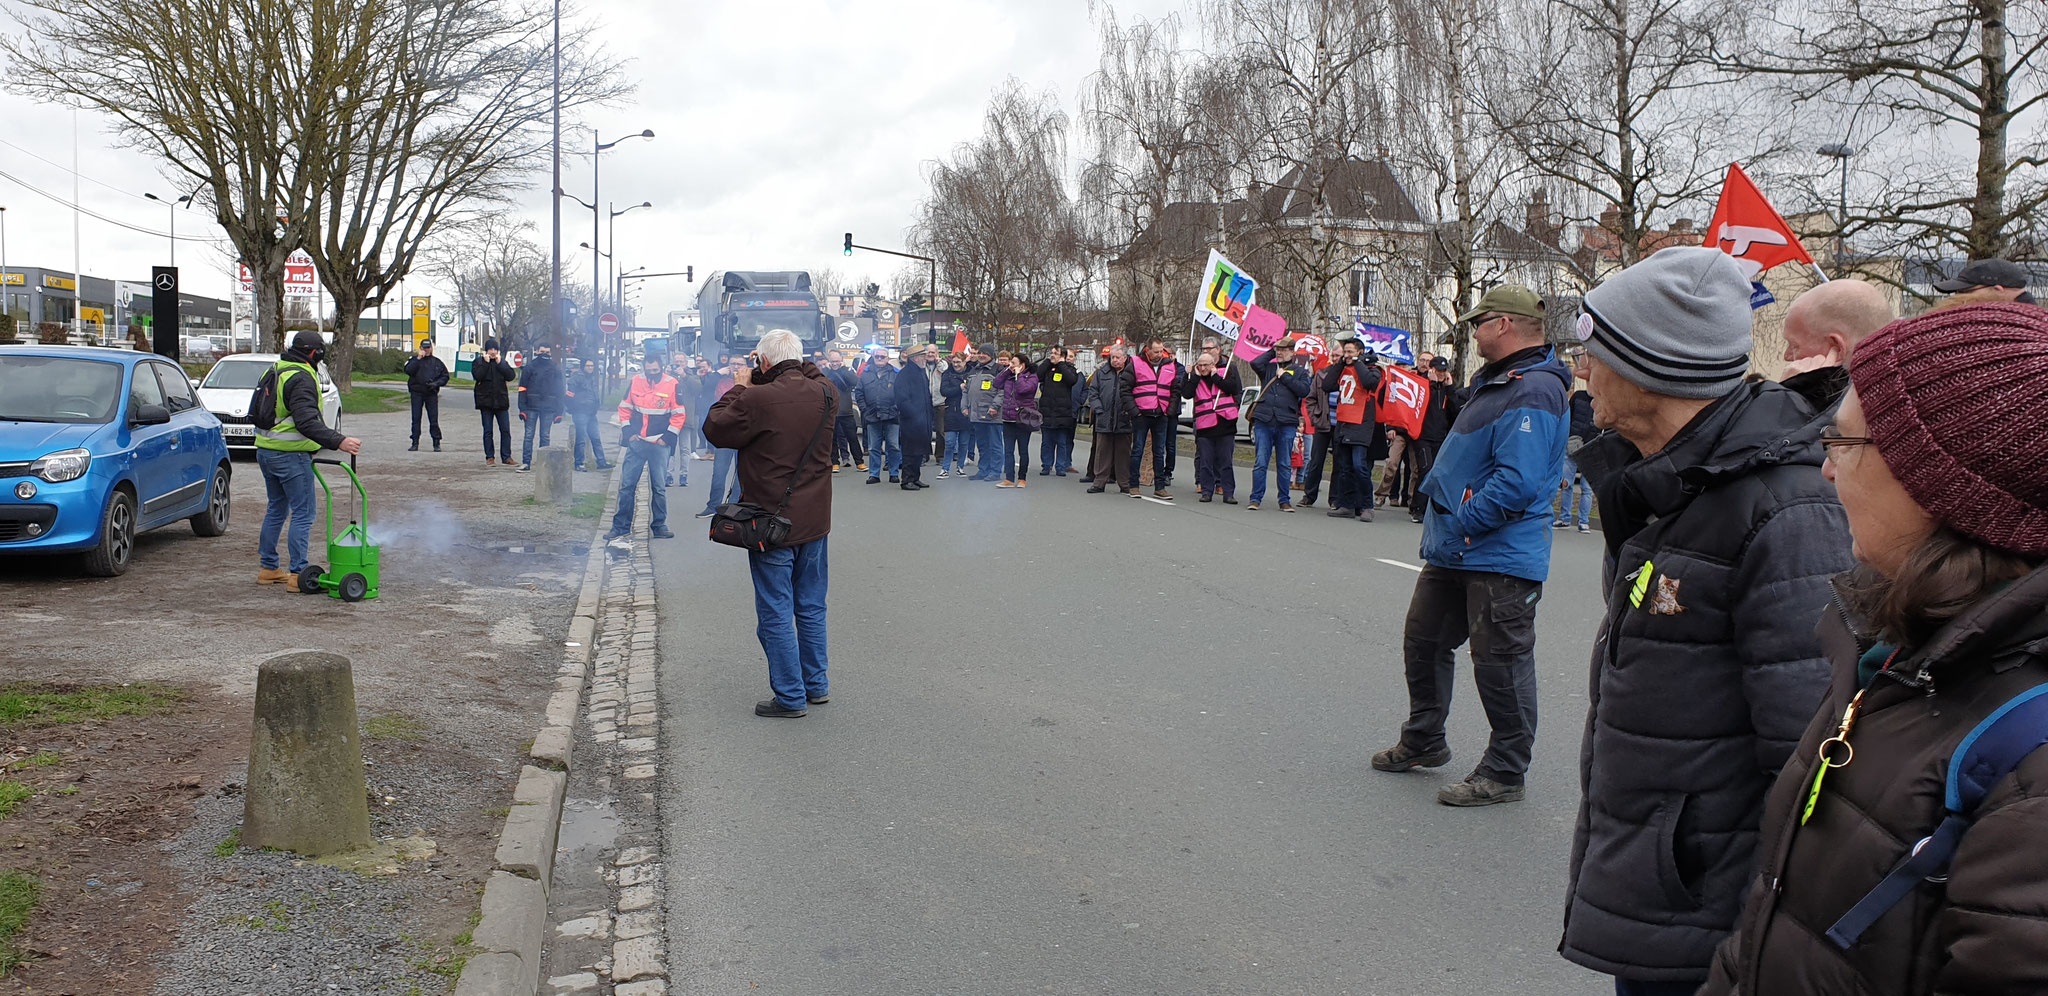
[(612, 236), (597, 155), (1840, 151), (931, 305), (173, 205)]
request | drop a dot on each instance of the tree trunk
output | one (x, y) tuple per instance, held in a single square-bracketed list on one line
[(269, 288), (1987, 212), (341, 357)]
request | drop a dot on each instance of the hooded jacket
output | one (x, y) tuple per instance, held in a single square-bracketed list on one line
[(1111, 394), (1496, 474), (768, 423), (540, 386), (581, 391), (1705, 670), (1982, 931), (1056, 385)]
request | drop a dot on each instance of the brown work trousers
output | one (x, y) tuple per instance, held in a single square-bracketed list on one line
[(1111, 459)]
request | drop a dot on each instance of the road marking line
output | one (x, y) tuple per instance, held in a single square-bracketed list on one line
[(1157, 501), (1396, 563)]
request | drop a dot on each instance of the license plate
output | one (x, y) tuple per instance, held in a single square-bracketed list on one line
[(238, 431)]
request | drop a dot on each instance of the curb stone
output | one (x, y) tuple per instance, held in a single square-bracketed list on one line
[(511, 936)]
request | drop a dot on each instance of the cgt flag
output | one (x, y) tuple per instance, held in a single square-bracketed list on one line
[(1746, 227)]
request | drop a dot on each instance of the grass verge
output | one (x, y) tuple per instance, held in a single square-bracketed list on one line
[(12, 795), (43, 705), (588, 505), (18, 894), (370, 401)]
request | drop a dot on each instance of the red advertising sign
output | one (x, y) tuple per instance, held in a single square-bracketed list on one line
[(300, 278)]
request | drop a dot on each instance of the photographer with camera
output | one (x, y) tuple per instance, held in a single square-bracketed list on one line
[(1355, 380), (775, 418)]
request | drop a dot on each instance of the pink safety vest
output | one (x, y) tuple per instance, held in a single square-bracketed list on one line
[(1155, 386), (1212, 405)]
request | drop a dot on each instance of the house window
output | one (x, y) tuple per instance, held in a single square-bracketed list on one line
[(1361, 289)]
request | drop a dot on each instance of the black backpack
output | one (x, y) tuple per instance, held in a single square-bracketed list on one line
[(263, 401)]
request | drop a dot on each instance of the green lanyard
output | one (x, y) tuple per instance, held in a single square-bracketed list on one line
[(1835, 751)]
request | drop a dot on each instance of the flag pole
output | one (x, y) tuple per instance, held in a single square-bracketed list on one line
[(1817, 271)]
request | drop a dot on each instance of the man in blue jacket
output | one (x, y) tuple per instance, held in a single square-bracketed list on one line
[(1287, 379), (1486, 551)]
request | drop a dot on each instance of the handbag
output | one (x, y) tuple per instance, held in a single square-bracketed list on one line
[(1030, 417), (749, 526)]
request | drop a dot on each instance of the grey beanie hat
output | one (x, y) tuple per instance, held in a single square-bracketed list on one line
[(1676, 324)]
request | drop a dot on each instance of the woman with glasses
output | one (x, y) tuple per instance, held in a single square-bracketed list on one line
[(1902, 847)]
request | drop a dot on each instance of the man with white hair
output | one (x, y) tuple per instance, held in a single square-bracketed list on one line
[(1821, 329), (776, 417)]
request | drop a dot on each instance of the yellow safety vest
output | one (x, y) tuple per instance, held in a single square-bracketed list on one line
[(284, 435)]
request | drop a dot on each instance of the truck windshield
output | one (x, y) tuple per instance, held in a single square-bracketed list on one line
[(752, 325), (59, 389)]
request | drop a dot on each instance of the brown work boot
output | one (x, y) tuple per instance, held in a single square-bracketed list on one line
[(291, 583), (273, 575), (490, 461)]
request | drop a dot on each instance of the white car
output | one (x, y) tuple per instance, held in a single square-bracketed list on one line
[(226, 389)]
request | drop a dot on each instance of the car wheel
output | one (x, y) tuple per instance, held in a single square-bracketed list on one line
[(213, 521), (117, 538), (354, 587)]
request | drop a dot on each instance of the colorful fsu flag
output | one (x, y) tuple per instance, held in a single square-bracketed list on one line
[(1404, 400), (1226, 294), (1746, 227)]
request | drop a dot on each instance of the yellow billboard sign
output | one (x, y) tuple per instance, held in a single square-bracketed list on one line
[(97, 316), (61, 283), (422, 315), (15, 279)]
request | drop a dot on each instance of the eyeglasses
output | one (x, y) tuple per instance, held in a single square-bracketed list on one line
[(1829, 441)]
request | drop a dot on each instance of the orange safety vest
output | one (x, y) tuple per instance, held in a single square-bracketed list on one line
[(644, 403)]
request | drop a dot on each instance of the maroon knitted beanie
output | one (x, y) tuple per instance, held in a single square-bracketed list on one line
[(1957, 401)]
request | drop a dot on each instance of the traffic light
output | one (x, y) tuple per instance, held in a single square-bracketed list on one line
[(849, 243)]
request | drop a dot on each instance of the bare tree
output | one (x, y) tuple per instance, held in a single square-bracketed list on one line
[(1945, 98), (220, 90), (498, 267), (1312, 75), (1139, 116), (450, 111), (1617, 105)]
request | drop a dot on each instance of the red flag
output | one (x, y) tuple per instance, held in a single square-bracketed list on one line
[(1746, 227), (1313, 346), (1404, 399), (960, 340)]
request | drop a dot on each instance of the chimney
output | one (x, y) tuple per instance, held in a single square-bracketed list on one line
[(1537, 221), (1681, 226)]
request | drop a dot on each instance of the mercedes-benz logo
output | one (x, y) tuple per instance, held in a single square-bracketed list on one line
[(165, 281)]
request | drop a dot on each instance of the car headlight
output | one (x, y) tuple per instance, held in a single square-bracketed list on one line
[(64, 465)]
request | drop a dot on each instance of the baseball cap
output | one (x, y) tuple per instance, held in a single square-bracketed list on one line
[(1507, 299), (1984, 273)]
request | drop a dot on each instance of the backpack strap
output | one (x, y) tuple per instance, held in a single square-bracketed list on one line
[(1986, 755)]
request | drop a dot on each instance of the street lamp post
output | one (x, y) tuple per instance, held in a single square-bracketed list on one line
[(1840, 151), (931, 305), (173, 206), (597, 288), (612, 236)]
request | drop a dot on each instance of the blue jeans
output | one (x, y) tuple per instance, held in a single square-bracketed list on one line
[(1056, 450), (1274, 442), (721, 468), (1571, 477), (640, 456), (789, 584), (1351, 477), (885, 448), (1152, 428), (959, 444), (503, 420), (544, 421), (588, 426), (988, 442), (288, 480)]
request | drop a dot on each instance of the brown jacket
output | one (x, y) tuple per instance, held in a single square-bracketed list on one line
[(768, 423), (1986, 929)]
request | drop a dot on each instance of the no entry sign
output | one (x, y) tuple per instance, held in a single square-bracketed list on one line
[(608, 323)]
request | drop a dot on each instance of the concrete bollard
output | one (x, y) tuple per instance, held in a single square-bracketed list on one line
[(306, 788), (554, 480)]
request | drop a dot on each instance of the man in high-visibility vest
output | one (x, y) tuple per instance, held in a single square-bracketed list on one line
[(649, 416), (284, 452)]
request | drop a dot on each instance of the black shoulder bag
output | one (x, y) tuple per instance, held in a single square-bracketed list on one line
[(749, 526)]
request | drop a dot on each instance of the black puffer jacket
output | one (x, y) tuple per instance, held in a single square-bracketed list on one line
[(493, 384), (1056, 385), (1702, 685), (1113, 395)]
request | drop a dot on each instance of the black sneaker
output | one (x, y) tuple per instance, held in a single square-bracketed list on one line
[(771, 709), (1478, 790), (614, 535), (707, 513), (1401, 757), (1229, 500), (1096, 489), (1088, 479), (414, 448), (437, 446), (894, 479), (661, 534), (821, 699)]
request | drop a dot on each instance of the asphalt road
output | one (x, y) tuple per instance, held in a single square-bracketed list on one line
[(1085, 744)]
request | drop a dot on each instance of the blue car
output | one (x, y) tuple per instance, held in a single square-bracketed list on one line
[(99, 445)]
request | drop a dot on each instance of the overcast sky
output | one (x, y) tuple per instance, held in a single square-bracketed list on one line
[(778, 128)]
